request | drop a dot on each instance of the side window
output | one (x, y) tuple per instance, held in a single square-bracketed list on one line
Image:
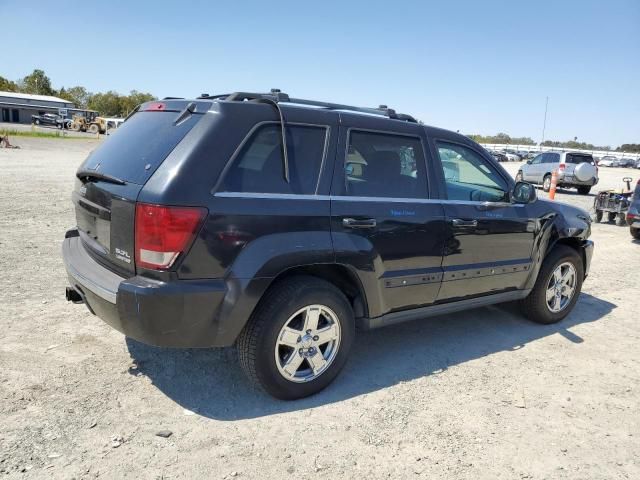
[(385, 165), (468, 176), (259, 166), (538, 159)]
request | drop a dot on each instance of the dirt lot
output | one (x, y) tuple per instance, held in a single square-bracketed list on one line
[(479, 394)]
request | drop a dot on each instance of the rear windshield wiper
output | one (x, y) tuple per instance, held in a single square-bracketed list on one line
[(89, 175)]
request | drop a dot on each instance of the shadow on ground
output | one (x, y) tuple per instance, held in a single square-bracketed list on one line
[(211, 383)]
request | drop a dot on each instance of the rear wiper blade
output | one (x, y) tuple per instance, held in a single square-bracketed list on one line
[(94, 175)]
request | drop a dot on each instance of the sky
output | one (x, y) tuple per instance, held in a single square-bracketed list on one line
[(474, 66)]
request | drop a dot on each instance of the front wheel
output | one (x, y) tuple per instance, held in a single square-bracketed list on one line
[(598, 216), (635, 232), (557, 287), (298, 339)]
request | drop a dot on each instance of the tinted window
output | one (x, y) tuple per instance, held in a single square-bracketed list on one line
[(140, 145), (468, 176), (384, 165), (259, 166), (538, 159), (578, 158)]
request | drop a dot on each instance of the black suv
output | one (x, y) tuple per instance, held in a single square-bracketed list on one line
[(280, 224)]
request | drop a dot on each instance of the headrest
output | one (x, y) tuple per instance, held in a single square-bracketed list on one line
[(382, 165)]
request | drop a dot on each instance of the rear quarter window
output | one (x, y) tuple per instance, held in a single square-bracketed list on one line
[(259, 166)]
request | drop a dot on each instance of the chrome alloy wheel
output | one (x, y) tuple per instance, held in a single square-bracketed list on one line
[(561, 287), (307, 343)]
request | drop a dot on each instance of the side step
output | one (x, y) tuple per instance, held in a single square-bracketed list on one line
[(440, 309)]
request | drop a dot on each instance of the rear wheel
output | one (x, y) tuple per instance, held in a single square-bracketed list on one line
[(557, 287), (75, 127), (635, 232), (611, 216), (298, 339), (584, 189), (546, 183), (37, 122)]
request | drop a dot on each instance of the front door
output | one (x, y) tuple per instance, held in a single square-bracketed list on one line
[(383, 224), (489, 240)]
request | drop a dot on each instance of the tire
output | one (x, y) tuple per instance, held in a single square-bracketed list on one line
[(518, 177), (75, 127), (584, 189), (93, 128), (263, 357), (37, 122), (611, 216), (546, 183), (535, 306), (635, 232), (598, 216), (621, 220)]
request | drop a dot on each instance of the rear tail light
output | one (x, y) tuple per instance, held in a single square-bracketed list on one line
[(562, 167), (163, 233)]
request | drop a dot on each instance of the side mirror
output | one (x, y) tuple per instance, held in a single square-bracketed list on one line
[(529, 162), (523, 192)]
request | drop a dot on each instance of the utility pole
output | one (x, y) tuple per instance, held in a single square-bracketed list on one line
[(544, 124)]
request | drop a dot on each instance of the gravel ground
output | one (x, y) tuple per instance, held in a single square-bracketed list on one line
[(478, 394)]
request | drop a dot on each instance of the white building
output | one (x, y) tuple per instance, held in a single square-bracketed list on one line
[(18, 107)]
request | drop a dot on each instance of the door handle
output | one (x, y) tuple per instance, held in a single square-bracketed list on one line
[(354, 223), (459, 223)]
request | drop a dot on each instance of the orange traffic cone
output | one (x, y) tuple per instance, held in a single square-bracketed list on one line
[(554, 183)]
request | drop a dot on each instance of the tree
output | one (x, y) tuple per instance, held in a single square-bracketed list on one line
[(7, 85), (134, 99), (108, 103), (37, 82), (78, 95)]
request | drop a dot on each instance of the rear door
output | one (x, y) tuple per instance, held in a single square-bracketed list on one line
[(384, 224), (111, 178), (489, 240), (572, 160), (531, 172)]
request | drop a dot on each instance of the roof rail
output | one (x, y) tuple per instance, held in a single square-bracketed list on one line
[(277, 96)]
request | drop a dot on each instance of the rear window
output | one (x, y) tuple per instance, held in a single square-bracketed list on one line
[(134, 151), (259, 166), (575, 158)]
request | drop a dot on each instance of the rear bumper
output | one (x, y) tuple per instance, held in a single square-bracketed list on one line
[(183, 313), (570, 180)]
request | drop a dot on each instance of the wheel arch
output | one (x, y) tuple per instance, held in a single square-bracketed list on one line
[(341, 276)]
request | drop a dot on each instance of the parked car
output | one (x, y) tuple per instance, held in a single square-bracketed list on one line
[(609, 161), (574, 170), (511, 156), (253, 220), (500, 157), (627, 162), (51, 120), (633, 214)]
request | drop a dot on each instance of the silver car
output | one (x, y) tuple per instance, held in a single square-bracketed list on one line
[(574, 169)]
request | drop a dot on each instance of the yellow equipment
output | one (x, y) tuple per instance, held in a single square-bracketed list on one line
[(90, 122)]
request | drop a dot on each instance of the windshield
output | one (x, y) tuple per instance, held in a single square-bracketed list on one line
[(578, 158)]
